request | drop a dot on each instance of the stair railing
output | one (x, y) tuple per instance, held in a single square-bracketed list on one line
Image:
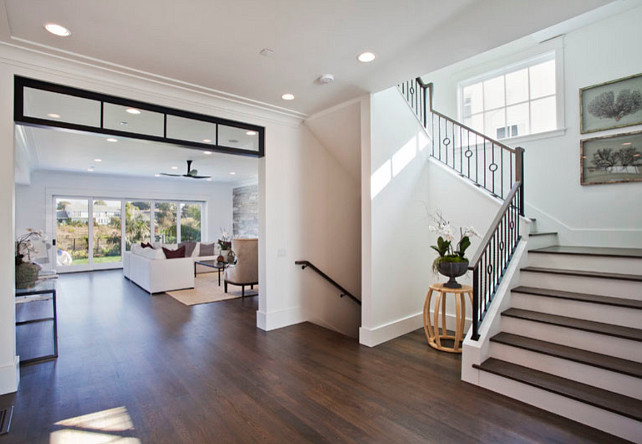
[(344, 292), (489, 164)]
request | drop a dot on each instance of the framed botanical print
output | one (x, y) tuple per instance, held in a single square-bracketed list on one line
[(611, 159), (613, 104)]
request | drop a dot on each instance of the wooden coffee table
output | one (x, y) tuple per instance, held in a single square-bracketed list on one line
[(220, 266)]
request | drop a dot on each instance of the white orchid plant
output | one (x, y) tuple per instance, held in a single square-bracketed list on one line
[(445, 231), (25, 246)]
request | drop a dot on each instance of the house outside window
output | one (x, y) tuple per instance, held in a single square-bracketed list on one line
[(518, 100)]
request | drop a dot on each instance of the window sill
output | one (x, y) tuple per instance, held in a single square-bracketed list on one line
[(532, 137)]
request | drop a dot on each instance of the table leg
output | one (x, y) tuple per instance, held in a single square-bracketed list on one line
[(428, 329), (458, 328), (444, 330), (439, 303), (219, 277)]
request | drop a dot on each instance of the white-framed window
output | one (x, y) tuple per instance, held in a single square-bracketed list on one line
[(518, 100)]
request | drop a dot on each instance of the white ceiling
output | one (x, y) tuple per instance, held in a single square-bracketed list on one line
[(58, 150), (215, 44)]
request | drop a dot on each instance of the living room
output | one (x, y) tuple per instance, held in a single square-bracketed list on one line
[(97, 197)]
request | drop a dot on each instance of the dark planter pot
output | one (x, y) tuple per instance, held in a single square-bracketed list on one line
[(26, 274), (452, 270)]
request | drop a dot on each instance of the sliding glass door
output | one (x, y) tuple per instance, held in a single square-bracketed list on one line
[(93, 233), (72, 234)]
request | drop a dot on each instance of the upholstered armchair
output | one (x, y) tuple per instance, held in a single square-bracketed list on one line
[(246, 270)]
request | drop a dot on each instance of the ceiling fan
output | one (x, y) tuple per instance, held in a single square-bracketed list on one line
[(191, 173)]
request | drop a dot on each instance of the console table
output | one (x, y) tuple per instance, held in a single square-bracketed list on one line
[(42, 291)]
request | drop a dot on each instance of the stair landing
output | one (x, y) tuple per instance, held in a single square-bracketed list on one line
[(592, 251)]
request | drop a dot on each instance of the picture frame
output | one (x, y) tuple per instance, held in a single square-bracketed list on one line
[(611, 159), (613, 104)]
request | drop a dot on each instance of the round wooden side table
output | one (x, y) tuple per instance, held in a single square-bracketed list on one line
[(432, 328)]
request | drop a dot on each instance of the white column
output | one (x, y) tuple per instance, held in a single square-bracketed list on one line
[(9, 370)]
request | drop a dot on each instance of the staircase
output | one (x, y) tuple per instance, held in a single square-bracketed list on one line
[(571, 342), (563, 332)]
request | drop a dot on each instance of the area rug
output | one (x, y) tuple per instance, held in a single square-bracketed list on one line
[(206, 290)]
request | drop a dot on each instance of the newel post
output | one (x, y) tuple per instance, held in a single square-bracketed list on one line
[(519, 176)]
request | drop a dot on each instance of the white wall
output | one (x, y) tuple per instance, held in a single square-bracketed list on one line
[(406, 190), (292, 180), (32, 200), (597, 215), (398, 266)]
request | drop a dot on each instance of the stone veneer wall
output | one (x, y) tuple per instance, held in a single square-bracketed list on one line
[(245, 203)]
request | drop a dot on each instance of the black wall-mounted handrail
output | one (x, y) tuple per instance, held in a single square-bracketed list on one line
[(344, 292)]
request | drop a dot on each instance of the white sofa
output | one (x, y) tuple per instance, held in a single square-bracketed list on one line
[(149, 269)]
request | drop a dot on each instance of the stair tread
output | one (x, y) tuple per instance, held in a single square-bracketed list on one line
[(606, 362), (592, 251), (613, 402), (543, 233), (597, 299), (597, 274), (579, 324)]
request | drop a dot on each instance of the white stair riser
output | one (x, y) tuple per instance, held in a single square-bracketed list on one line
[(548, 240), (586, 263), (579, 284), (627, 317), (586, 374), (578, 411), (595, 342)]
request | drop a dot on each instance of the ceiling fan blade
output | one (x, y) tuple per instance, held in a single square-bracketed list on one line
[(172, 175), (200, 177)]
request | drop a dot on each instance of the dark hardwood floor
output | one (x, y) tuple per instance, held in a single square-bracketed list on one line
[(140, 368)]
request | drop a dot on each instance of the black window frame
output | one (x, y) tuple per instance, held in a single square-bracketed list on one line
[(20, 83)]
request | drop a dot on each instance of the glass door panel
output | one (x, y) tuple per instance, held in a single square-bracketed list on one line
[(191, 222), (165, 222), (137, 223), (72, 233), (107, 232)]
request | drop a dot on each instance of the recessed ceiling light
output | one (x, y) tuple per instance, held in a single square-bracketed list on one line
[(90, 169), (98, 160), (287, 96), (123, 123), (133, 111), (207, 140), (54, 116), (366, 57), (58, 30), (209, 179), (251, 133), (112, 140), (207, 152), (157, 175), (232, 173), (626, 144), (174, 167)]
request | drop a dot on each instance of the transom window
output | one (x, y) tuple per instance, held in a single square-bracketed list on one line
[(516, 101)]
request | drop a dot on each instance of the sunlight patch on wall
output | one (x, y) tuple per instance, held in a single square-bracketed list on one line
[(404, 156), (380, 178)]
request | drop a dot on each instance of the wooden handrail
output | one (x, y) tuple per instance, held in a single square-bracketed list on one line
[(344, 292)]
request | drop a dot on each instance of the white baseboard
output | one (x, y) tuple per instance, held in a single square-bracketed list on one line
[(10, 377), (280, 318), (372, 337)]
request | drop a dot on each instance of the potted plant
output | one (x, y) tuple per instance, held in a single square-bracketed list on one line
[(225, 245), (452, 261), (26, 271)]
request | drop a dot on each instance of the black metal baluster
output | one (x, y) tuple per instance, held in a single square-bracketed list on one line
[(476, 304)]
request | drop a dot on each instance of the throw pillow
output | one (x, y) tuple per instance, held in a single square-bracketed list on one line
[(207, 249), (174, 254), (146, 245), (189, 248)]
